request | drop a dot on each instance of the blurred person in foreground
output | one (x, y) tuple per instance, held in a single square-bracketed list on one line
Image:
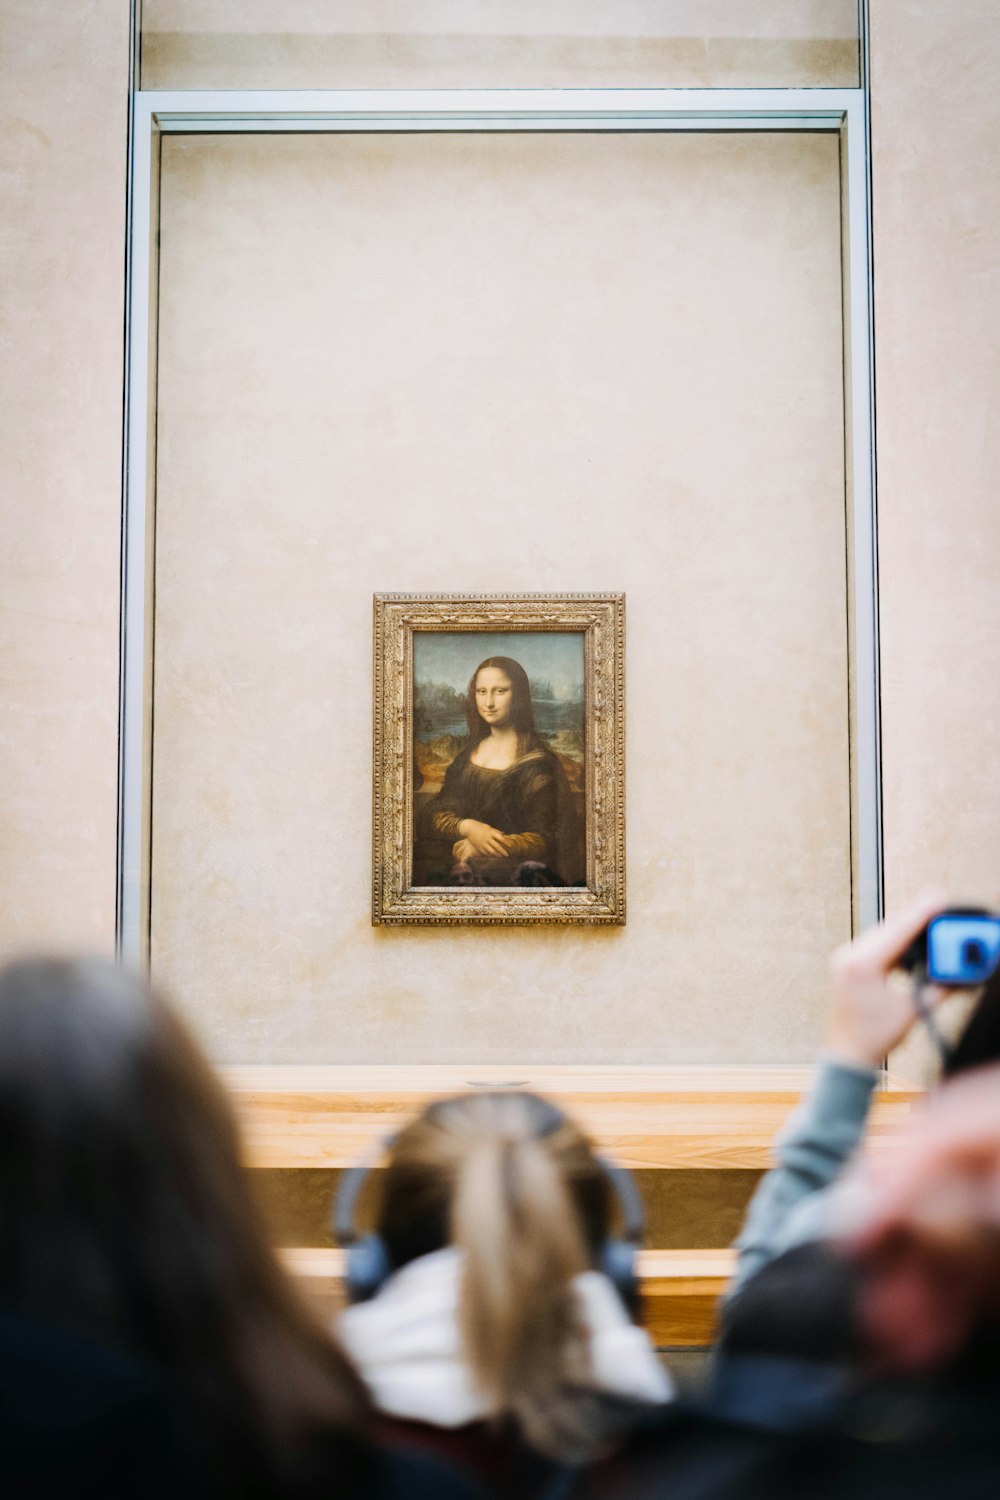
[(871, 1011), (150, 1343), (792, 1296), (927, 1238), (496, 1337), (920, 1226)]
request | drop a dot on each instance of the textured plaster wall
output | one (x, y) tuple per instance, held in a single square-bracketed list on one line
[(499, 43), (500, 363), (935, 121), (63, 103), (936, 78)]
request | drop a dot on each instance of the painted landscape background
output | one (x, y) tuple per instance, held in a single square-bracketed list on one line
[(443, 663)]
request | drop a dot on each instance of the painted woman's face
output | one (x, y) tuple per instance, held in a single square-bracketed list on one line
[(494, 696)]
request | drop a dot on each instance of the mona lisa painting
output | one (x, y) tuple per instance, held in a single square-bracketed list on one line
[(499, 755)]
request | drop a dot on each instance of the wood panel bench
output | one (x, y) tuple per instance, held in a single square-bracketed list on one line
[(656, 1119)]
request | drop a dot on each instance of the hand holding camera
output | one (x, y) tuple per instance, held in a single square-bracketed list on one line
[(959, 948), (872, 1004), (902, 969)]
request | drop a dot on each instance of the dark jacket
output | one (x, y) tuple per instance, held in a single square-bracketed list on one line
[(903, 1441), (81, 1421)]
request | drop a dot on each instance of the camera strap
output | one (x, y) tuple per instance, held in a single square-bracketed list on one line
[(925, 1011)]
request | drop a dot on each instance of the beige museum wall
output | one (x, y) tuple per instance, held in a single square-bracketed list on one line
[(936, 79), (487, 363), (499, 43), (63, 110), (935, 120)]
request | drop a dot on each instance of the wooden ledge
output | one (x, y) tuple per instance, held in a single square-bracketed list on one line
[(698, 1117), (680, 1288), (430, 1079)]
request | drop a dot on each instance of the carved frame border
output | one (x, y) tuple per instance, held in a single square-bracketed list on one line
[(601, 619)]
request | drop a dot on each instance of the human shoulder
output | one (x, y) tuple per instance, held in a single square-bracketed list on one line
[(540, 767), (539, 758)]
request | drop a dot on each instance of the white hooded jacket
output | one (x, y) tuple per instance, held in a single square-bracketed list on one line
[(407, 1344)]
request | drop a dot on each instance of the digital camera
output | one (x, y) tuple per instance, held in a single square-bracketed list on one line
[(960, 947)]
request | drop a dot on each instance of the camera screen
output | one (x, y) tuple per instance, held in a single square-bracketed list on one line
[(962, 950)]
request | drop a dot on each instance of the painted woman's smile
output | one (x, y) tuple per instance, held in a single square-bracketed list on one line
[(494, 695)]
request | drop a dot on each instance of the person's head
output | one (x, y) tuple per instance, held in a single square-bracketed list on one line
[(499, 697), (531, 872), (927, 1233), (125, 1214), (514, 1184)]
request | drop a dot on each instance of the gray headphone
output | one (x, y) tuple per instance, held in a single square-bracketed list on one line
[(368, 1264)]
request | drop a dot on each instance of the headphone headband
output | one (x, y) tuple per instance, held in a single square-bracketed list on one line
[(368, 1260), (628, 1198)]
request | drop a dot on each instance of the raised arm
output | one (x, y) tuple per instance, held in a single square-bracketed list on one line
[(871, 1012)]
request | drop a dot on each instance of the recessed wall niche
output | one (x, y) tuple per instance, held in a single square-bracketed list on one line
[(500, 362)]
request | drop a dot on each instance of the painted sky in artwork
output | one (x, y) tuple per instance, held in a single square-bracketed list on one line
[(451, 657)]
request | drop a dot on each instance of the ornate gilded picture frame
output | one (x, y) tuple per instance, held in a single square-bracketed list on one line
[(499, 759)]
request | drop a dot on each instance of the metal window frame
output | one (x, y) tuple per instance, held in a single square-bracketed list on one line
[(157, 113)]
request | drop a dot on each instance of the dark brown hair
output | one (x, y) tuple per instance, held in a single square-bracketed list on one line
[(522, 713), (126, 1215), (979, 1041)]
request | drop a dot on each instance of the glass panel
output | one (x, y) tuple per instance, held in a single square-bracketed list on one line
[(499, 43)]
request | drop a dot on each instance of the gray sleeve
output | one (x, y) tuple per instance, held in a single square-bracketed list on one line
[(790, 1205)]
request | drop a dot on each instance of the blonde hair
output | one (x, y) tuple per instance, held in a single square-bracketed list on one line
[(515, 1185)]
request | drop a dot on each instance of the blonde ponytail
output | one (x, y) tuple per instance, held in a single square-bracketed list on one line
[(523, 1244), (525, 1200)]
